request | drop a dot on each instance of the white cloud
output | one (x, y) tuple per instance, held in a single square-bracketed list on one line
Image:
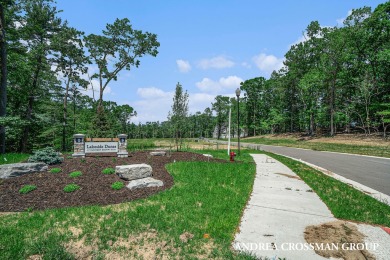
[(108, 90), (199, 102), (222, 85), (246, 65), (268, 63), (152, 93), (183, 66), (230, 82), (153, 105), (207, 85), (340, 21), (219, 62), (151, 110)]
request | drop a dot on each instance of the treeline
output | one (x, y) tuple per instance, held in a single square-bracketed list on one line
[(336, 80), (44, 66)]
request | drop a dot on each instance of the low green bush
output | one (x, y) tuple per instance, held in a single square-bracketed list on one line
[(46, 155), (108, 171), (55, 170), (75, 174), (117, 185), (27, 188), (71, 187)]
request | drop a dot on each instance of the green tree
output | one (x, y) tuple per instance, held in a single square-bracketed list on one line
[(385, 117), (40, 25), (254, 92), (221, 108), (178, 115), (119, 48), (71, 62), (3, 76)]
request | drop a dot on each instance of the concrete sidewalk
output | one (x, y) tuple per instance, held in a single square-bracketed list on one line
[(280, 208)]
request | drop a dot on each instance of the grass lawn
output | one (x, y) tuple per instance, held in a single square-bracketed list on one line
[(13, 158), (204, 207), (381, 151)]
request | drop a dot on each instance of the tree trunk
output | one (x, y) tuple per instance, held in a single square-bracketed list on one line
[(65, 116), (312, 124), (3, 82), (332, 112), (26, 130), (74, 109)]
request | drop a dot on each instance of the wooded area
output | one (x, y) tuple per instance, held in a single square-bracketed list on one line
[(336, 80), (44, 65)]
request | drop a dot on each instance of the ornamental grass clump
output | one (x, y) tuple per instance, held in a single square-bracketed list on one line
[(75, 174), (46, 155), (71, 188), (27, 188), (55, 170), (108, 171), (117, 185)]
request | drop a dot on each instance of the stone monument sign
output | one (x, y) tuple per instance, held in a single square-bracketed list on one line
[(100, 146)]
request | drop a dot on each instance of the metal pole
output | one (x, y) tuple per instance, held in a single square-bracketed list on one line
[(238, 123), (230, 115)]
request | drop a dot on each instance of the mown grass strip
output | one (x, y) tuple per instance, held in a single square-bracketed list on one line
[(344, 201), (207, 198)]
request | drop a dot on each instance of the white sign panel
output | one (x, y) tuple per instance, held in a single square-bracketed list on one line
[(101, 147)]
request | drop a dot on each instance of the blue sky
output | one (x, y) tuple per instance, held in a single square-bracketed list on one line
[(208, 46)]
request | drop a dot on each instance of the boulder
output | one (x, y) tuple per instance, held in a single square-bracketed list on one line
[(158, 153), (18, 169), (133, 171), (144, 183)]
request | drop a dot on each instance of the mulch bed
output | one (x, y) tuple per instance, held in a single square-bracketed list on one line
[(95, 187)]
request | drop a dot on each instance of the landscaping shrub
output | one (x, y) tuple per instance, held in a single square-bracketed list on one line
[(71, 187), (108, 171), (55, 170), (47, 155), (27, 188), (117, 185), (75, 174)]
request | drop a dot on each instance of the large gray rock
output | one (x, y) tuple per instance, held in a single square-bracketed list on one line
[(133, 171), (158, 153), (18, 169), (144, 183)]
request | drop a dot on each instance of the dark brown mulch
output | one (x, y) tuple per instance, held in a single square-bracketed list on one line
[(95, 186)]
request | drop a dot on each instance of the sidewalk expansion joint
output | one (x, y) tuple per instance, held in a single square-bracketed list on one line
[(299, 212)]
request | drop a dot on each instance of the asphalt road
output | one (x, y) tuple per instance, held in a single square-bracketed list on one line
[(372, 172)]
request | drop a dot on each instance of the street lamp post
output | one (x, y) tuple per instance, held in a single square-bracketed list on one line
[(238, 92)]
